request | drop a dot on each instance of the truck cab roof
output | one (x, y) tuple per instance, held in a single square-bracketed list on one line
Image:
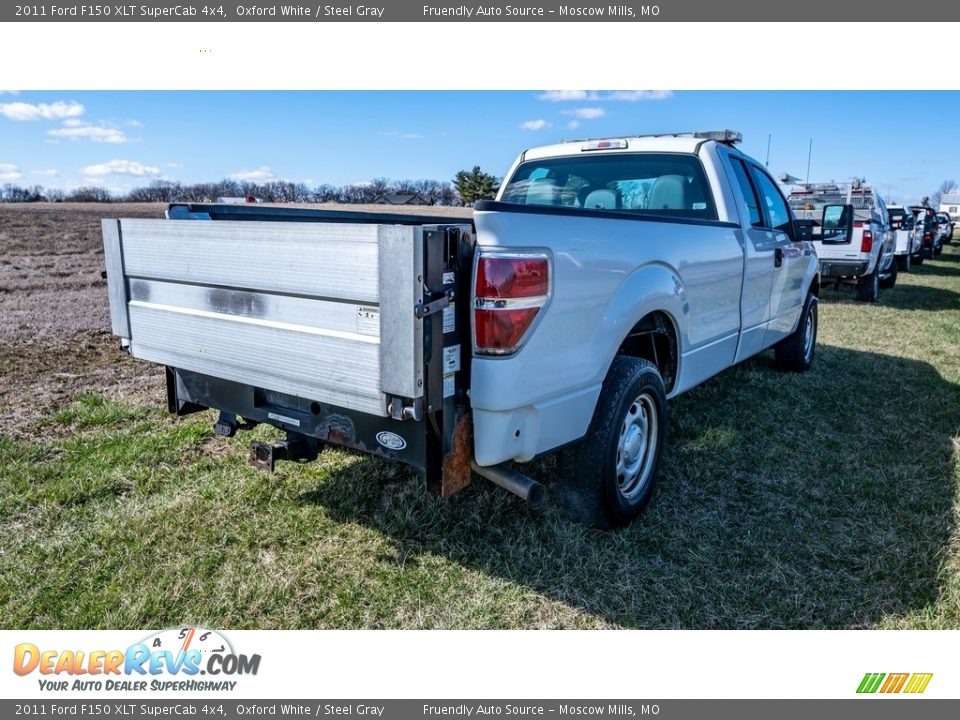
[(687, 142)]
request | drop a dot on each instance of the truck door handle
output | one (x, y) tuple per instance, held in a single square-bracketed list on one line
[(778, 257)]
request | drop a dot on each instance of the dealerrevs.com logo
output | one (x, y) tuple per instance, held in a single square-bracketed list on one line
[(178, 659)]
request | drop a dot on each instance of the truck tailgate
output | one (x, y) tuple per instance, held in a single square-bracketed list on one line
[(294, 307)]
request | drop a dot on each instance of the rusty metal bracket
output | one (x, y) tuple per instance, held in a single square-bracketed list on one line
[(456, 463)]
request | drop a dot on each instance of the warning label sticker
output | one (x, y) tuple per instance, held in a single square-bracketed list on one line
[(451, 359), (368, 320), (450, 318)]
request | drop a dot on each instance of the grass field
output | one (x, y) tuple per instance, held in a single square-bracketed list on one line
[(822, 500)]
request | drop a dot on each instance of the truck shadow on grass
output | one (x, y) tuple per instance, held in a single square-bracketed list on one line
[(941, 269), (822, 500), (904, 296)]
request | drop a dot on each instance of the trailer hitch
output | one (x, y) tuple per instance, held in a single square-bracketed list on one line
[(296, 447)]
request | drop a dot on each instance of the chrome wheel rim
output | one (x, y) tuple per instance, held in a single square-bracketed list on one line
[(637, 446), (808, 333)]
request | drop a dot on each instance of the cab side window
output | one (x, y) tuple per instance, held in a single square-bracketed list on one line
[(749, 193), (775, 212)]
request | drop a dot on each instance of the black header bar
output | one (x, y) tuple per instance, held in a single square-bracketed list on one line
[(426, 11)]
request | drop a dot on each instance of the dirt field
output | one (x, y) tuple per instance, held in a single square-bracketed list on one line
[(55, 339), (55, 336)]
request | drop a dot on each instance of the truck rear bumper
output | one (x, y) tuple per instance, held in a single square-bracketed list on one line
[(843, 268), (438, 446), (523, 433)]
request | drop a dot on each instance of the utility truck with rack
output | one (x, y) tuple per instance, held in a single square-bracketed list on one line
[(863, 255), (608, 276)]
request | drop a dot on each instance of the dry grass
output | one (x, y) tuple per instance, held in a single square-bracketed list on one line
[(823, 500)]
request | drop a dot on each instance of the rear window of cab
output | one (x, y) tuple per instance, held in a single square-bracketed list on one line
[(660, 184)]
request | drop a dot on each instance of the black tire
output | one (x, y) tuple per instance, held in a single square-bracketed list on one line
[(891, 279), (795, 352), (904, 262), (937, 249), (600, 488), (918, 259), (868, 289)]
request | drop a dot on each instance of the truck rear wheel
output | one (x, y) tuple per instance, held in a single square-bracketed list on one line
[(795, 352), (612, 471), (868, 289)]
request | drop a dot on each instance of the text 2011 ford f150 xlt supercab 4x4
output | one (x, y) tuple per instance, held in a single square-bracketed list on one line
[(608, 276)]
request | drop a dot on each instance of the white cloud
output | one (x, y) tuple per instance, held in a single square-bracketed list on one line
[(9, 171), (96, 133), (573, 124), (539, 124), (9, 92), (46, 173), (73, 122), (639, 95), (174, 165), (402, 135), (615, 96), (586, 113), (53, 111), (261, 174), (133, 123), (122, 167), (563, 95)]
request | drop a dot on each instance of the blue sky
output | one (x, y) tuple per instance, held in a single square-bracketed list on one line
[(904, 143)]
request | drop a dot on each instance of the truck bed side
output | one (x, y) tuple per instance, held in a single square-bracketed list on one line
[(609, 271)]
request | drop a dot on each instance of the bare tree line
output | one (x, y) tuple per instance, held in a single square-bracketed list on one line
[(432, 192)]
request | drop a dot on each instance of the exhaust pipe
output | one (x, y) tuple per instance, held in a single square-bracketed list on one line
[(519, 484)]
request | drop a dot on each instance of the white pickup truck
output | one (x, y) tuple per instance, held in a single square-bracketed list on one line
[(852, 235), (909, 238), (608, 276)]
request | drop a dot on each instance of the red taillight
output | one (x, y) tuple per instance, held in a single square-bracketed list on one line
[(500, 331), (509, 291), (511, 277), (928, 238), (866, 244)]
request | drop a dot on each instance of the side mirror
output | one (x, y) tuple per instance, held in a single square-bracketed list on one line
[(837, 224)]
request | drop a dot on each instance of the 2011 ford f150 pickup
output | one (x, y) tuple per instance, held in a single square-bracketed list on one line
[(607, 276)]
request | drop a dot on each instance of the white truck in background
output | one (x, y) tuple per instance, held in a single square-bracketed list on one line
[(852, 235), (908, 238), (608, 276), (929, 230)]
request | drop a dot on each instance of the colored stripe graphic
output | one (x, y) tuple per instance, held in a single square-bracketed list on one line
[(870, 683), (918, 682), (894, 683)]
